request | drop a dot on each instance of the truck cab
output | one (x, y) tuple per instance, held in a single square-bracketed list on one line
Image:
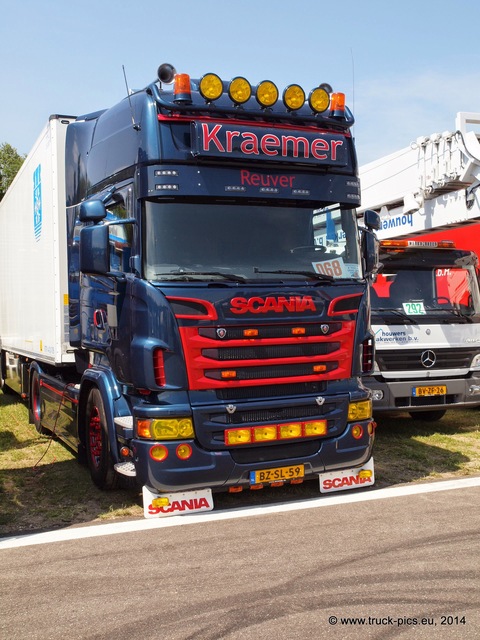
[(425, 305)]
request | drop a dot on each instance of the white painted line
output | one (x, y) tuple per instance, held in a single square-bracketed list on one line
[(76, 533)]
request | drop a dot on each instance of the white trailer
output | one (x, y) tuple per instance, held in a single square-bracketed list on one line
[(429, 186), (33, 256)]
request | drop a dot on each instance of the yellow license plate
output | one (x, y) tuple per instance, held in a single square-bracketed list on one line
[(432, 390), (275, 475)]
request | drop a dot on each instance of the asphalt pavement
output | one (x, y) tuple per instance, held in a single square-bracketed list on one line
[(393, 567)]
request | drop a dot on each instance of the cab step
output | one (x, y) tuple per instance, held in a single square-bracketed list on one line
[(125, 468)]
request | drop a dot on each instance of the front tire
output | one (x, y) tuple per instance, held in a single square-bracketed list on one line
[(98, 453)]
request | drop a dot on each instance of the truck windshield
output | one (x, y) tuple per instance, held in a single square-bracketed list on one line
[(185, 241), (420, 292)]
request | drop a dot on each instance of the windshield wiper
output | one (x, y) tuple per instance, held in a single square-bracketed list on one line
[(451, 310), (184, 272), (397, 312), (308, 274)]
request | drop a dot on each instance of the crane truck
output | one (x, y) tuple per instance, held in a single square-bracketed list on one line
[(184, 290), (425, 299)]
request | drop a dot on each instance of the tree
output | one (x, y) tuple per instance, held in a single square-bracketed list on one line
[(10, 163)]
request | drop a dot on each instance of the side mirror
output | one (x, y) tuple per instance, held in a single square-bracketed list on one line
[(371, 252), (92, 211), (371, 219), (94, 249)]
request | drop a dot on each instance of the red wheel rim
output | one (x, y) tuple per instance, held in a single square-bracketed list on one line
[(95, 436)]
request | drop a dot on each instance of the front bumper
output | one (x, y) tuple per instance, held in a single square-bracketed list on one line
[(219, 470), (398, 395)]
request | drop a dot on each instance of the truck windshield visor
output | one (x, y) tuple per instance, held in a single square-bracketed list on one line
[(420, 292), (249, 242)]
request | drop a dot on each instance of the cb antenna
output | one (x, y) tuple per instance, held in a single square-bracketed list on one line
[(135, 125)]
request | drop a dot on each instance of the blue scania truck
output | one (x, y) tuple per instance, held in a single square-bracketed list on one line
[(183, 290)]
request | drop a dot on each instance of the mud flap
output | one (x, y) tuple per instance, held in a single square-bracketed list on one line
[(173, 504), (357, 478)]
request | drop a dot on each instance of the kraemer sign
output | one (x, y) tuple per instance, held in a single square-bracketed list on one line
[(221, 140)]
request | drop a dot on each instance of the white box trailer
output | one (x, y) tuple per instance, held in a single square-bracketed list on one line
[(33, 253)]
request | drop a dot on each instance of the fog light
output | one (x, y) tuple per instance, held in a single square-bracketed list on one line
[(377, 394), (474, 390), (239, 90), (291, 430), (266, 93), (211, 87), (261, 434), (293, 97), (158, 452), (319, 100), (184, 451), (316, 428), (237, 436), (357, 431)]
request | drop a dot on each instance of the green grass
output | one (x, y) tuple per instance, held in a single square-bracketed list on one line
[(408, 450), (42, 486), (41, 483)]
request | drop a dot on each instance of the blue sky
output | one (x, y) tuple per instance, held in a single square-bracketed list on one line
[(406, 67)]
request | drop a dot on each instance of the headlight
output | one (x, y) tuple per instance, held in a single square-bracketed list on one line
[(165, 428), (476, 362)]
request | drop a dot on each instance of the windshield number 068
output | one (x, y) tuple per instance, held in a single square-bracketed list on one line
[(329, 268)]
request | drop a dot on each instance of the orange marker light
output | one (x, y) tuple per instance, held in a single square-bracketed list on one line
[(181, 88), (143, 429), (235, 489), (298, 331), (337, 104)]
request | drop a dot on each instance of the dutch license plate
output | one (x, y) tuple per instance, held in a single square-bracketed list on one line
[(432, 390), (279, 473)]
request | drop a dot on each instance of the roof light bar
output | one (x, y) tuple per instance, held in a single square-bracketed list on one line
[(419, 244), (211, 87)]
